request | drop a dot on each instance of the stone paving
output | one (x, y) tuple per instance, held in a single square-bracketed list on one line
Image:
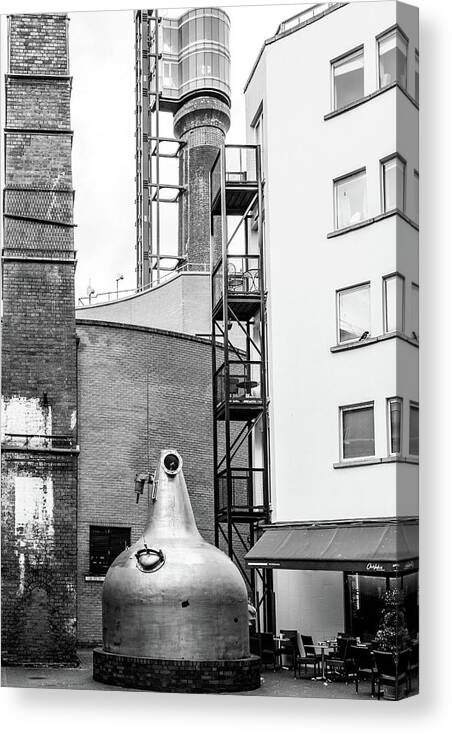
[(274, 683)]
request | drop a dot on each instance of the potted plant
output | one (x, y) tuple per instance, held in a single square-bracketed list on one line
[(392, 635)]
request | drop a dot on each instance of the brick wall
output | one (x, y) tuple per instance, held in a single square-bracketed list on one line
[(140, 391), (39, 350)]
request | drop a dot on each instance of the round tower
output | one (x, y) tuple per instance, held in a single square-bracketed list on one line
[(201, 121)]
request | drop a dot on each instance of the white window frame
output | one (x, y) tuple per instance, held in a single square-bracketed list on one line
[(348, 408), (416, 68), (383, 163), (340, 180), (412, 404), (416, 195), (389, 401), (414, 287), (385, 302), (339, 292), (382, 37), (359, 51)]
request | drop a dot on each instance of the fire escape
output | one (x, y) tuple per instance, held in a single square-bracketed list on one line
[(151, 148), (239, 366)]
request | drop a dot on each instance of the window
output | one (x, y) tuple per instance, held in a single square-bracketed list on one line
[(416, 197), (416, 75), (393, 184), (393, 303), (258, 127), (392, 58), (395, 425), (105, 544), (348, 79), (414, 429), (357, 426), (170, 75), (350, 199), (415, 310), (353, 313)]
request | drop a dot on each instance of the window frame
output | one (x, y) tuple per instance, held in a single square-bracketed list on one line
[(338, 180), (385, 303), (416, 74), (412, 404), (127, 530), (383, 162), (416, 195), (381, 37), (348, 55), (349, 408), (414, 288), (339, 292), (389, 401)]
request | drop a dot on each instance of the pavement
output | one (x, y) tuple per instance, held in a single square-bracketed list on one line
[(279, 683)]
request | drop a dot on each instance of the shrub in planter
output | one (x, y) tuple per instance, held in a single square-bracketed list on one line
[(392, 635)]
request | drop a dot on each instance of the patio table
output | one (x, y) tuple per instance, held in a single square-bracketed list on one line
[(323, 645)]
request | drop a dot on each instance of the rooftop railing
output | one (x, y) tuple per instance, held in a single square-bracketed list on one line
[(98, 299), (299, 18)]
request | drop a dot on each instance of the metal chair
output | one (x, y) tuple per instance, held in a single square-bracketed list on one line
[(392, 670), (310, 657), (268, 649), (364, 666), (288, 647), (340, 662)]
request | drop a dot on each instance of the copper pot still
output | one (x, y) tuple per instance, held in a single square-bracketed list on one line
[(172, 595)]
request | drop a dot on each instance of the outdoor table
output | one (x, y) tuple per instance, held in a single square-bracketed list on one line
[(324, 645)]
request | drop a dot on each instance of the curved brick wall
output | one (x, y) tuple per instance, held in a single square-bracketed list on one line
[(118, 368)]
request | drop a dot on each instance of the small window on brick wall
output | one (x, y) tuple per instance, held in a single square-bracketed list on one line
[(105, 544)]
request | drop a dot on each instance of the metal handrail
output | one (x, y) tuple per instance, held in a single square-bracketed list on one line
[(186, 267), (310, 12)]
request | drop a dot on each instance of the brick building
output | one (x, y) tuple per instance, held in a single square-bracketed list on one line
[(39, 431)]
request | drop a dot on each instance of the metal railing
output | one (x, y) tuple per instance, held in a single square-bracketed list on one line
[(240, 167), (244, 278), (299, 18), (97, 299), (243, 386), (246, 489)]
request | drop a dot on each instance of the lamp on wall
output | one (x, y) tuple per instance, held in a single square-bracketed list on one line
[(118, 278)]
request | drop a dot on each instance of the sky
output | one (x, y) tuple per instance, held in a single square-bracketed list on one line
[(102, 62)]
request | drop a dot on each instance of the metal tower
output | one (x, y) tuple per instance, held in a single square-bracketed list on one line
[(239, 375), (151, 148), (182, 68)]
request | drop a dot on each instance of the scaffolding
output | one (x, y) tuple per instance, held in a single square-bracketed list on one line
[(151, 148), (239, 367)]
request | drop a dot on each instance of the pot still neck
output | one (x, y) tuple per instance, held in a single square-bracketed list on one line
[(170, 513)]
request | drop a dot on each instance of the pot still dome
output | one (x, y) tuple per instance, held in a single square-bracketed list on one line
[(174, 607)]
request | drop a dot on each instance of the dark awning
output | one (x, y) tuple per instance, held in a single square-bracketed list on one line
[(372, 546)]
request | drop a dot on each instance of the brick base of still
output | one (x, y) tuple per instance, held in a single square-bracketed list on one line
[(182, 676)]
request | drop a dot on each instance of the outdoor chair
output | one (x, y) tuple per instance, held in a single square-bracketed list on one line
[(309, 657), (364, 666), (256, 645), (392, 670), (288, 647), (268, 649), (340, 662)]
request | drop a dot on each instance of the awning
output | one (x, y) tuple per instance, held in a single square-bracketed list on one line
[(360, 546)]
